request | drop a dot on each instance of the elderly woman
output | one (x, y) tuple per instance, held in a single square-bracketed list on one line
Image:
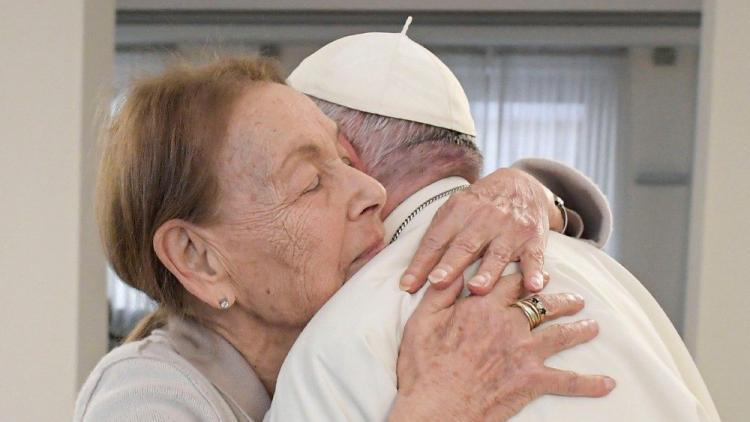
[(226, 197)]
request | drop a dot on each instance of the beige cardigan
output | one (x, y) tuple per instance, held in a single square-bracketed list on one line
[(186, 372)]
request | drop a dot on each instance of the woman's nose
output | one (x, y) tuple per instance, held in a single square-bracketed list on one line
[(368, 198)]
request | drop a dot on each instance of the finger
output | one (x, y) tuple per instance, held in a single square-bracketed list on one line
[(466, 248), (545, 282), (511, 288), (435, 299), (568, 383), (508, 289), (499, 253), (561, 304), (532, 263), (431, 249), (559, 337)]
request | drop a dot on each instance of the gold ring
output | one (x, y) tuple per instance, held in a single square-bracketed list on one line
[(534, 310)]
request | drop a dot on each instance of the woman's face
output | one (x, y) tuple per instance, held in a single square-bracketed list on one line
[(294, 220)]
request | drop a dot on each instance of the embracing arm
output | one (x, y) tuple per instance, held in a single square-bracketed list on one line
[(450, 367), (504, 217), (590, 217)]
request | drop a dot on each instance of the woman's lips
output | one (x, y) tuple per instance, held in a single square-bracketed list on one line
[(377, 246)]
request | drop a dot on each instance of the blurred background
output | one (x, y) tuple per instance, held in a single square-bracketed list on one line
[(648, 98)]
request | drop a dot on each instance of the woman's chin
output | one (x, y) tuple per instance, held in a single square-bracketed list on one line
[(365, 257), (356, 266)]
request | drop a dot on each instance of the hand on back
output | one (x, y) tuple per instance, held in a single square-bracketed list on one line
[(475, 358)]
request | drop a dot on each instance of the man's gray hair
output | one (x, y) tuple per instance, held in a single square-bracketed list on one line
[(392, 149)]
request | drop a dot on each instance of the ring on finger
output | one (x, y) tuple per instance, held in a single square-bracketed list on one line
[(534, 309)]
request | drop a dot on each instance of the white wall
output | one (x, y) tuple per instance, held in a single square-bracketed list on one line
[(53, 316), (658, 138), (718, 321)]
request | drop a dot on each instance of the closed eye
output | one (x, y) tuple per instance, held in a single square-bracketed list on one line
[(314, 186)]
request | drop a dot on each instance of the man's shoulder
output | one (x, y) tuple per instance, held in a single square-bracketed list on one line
[(343, 364), (375, 284), (368, 309), (372, 294)]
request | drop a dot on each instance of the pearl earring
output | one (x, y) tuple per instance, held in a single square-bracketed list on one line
[(224, 304)]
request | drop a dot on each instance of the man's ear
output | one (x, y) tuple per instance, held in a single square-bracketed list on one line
[(351, 153), (182, 248)]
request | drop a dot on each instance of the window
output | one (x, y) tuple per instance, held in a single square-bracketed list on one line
[(559, 105)]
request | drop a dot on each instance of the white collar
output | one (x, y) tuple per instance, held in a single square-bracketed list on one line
[(408, 205)]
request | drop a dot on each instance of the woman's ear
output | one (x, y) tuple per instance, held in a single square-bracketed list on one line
[(182, 248)]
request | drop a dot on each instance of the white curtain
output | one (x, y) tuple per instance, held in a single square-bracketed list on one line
[(561, 106)]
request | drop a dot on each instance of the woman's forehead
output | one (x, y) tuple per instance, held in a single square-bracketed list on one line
[(271, 121)]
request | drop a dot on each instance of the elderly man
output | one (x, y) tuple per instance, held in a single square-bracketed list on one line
[(409, 126)]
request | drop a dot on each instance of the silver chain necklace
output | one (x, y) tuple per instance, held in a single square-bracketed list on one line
[(421, 207)]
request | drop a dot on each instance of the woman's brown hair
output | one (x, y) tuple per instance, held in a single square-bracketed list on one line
[(157, 165)]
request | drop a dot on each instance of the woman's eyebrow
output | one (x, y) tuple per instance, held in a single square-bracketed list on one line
[(310, 151)]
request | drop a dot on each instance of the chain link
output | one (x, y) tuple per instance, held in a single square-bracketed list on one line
[(421, 207)]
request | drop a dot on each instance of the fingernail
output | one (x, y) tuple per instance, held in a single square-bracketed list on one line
[(589, 323), (573, 297), (437, 275), (537, 282), (407, 281), (546, 276), (609, 383), (479, 280)]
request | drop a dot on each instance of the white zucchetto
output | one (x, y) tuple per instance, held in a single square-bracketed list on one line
[(386, 74)]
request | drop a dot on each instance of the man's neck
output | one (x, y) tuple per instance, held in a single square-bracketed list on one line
[(399, 192), (410, 172)]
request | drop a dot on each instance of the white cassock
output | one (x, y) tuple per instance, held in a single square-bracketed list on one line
[(343, 365)]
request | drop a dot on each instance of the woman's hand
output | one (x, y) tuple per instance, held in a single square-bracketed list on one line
[(476, 359), (503, 217)]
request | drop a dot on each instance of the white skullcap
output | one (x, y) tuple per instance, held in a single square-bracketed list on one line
[(386, 74)]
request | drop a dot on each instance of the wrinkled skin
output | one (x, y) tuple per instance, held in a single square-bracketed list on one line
[(502, 218), (293, 226), (491, 370)]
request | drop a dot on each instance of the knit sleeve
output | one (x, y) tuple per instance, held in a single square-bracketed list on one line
[(591, 216)]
